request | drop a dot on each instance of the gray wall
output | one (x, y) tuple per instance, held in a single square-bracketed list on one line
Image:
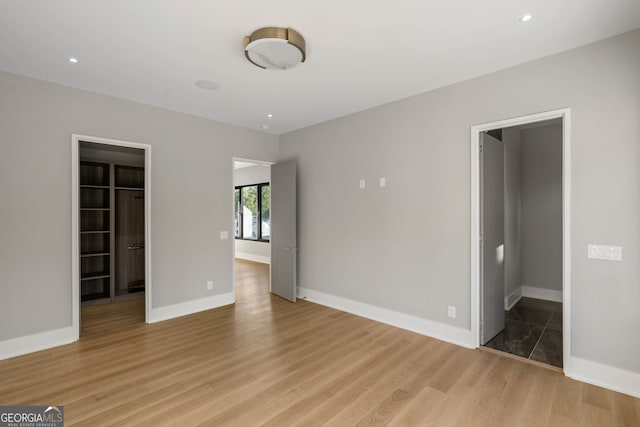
[(191, 180), (512, 210), (541, 160), (365, 244), (248, 176)]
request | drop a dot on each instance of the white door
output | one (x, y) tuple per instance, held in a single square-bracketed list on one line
[(492, 237), (284, 245)]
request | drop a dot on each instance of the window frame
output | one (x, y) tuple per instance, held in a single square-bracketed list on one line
[(259, 186)]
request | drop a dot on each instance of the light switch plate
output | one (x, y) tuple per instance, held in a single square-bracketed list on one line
[(363, 184), (224, 235), (609, 253), (383, 181)]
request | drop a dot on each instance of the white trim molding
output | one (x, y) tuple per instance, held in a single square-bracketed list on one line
[(531, 292), (541, 293), (75, 223), (513, 298), (616, 379), (254, 258), (441, 331), (189, 307), (565, 115), (41, 341)]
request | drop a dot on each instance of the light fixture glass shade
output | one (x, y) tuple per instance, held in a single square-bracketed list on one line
[(275, 48)]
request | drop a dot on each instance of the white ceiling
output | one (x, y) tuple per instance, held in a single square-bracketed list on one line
[(360, 53)]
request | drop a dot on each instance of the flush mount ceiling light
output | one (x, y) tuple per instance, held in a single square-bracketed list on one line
[(526, 18), (275, 48)]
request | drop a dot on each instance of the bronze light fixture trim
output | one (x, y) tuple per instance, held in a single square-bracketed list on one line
[(275, 48)]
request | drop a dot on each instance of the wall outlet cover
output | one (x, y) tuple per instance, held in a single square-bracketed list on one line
[(451, 312)]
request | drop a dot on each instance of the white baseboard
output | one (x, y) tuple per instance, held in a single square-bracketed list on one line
[(452, 334), (254, 258), (616, 379), (36, 342), (513, 298), (541, 293), (185, 308), (531, 292)]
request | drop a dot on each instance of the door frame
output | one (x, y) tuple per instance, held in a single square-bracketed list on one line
[(233, 214), (565, 115), (75, 222)]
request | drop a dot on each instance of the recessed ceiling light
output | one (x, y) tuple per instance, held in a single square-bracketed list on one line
[(74, 60), (269, 115), (526, 18), (264, 127), (207, 85)]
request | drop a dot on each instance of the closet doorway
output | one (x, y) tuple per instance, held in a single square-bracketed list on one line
[(110, 216), (520, 260)]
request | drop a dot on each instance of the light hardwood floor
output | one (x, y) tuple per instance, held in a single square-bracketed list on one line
[(265, 361)]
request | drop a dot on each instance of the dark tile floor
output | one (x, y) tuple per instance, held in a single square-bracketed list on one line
[(533, 329)]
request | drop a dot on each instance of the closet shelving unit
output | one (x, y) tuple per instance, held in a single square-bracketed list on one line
[(99, 184), (96, 223)]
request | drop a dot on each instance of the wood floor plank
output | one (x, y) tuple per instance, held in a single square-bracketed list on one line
[(387, 395), (568, 399), (508, 406), (491, 387), (266, 361), (419, 410), (276, 387), (597, 396), (450, 412), (342, 389), (594, 416), (346, 399), (557, 420), (480, 366), (537, 406), (625, 410), (269, 398), (444, 379)]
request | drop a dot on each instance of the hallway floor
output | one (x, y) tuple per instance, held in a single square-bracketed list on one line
[(533, 329)]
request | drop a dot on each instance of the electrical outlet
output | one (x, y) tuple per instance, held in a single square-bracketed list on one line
[(210, 285), (451, 311), (363, 184)]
